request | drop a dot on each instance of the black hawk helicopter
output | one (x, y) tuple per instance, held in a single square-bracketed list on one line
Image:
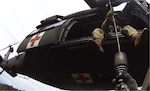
[(62, 53)]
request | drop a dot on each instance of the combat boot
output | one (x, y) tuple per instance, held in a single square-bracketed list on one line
[(98, 36), (142, 39)]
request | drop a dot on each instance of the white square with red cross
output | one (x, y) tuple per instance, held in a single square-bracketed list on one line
[(35, 40), (82, 78)]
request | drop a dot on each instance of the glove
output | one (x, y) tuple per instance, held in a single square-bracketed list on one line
[(129, 81)]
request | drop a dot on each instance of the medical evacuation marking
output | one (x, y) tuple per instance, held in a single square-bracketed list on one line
[(35, 40), (82, 78)]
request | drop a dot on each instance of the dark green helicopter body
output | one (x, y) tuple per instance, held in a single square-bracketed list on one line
[(62, 53)]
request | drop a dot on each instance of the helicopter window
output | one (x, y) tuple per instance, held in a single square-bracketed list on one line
[(77, 31)]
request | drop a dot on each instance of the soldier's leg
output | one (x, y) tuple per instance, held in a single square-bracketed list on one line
[(142, 39), (129, 31), (139, 39), (98, 36)]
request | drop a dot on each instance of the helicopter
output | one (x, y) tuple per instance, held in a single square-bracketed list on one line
[(62, 53)]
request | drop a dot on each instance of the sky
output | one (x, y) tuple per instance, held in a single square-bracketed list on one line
[(20, 17)]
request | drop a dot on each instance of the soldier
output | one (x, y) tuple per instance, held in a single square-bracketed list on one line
[(139, 39), (98, 34)]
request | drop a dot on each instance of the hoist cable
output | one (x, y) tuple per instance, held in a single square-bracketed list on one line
[(115, 26)]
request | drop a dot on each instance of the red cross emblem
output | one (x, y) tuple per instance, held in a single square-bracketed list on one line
[(36, 38), (82, 78), (34, 41)]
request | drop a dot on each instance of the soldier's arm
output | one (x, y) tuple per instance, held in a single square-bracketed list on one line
[(108, 21)]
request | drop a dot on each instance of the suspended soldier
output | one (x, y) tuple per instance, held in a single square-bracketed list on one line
[(140, 39), (98, 33)]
